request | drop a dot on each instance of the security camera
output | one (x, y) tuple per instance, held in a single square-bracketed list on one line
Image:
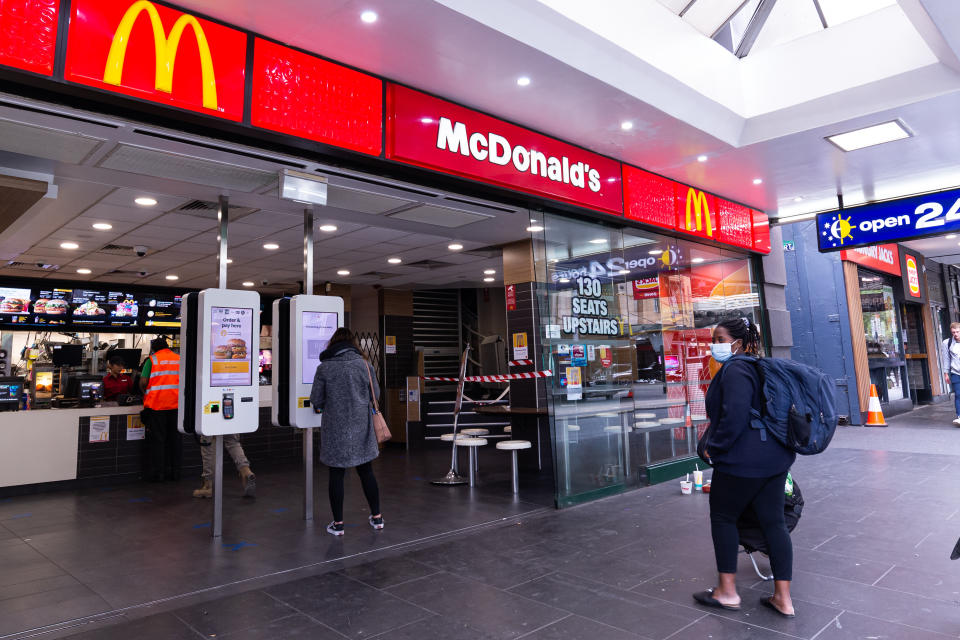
[(142, 273), (39, 265), (264, 283), (140, 250)]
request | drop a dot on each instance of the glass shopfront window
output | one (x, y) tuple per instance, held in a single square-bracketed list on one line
[(627, 323), (882, 328)]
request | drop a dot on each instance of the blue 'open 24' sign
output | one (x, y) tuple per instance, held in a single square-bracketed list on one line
[(891, 221)]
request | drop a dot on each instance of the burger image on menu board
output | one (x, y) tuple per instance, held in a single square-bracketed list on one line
[(89, 308), (54, 307), (40, 305), (238, 349), (14, 305)]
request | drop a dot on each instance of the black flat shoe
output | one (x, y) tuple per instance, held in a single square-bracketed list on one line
[(706, 599), (767, 603)]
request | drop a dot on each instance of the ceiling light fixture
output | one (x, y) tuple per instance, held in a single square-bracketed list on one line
[(624, 272), (271, 246), (102, 226), (145, 201), (229, 260), (701, 158), (369, 16), (626, 125), (655, 252), (523, 81), (248, 284), (394, 260), (489, 279), (869, 136), (69, 245), (84, 271), (950, 236), (697, 260), (798, 199), (564, 280), (304, 188), (343, 272), (328, 228), (173, 277), (534, 228), (456, 246), (599, 241), (489, 272), (758, 181)]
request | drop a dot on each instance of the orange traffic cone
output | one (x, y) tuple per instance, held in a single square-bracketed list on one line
[(874, 414)]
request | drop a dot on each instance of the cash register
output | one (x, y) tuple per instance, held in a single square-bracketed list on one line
[(87, 389)]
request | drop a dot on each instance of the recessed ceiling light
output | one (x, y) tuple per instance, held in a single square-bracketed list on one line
[(394, 260), (655, 252), (758, 181), (950, 236), (84, 271), (489, 272), (701, 158), (144, 201), (173, 277), (328, 228), (869, 136), (564, 280), (697, 260), (554, 260), (489, 279), (534, 228), (229, 260), (624, 272), (599, 241), (456, 246), (369, 16), (343, 272), (102, 226), (248, 284), (798, 199), (626, 125), (271, 246), (69, 245), (523, 81)]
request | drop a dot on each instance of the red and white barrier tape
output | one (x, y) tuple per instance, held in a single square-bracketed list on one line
[(506, 378), (520, 363)]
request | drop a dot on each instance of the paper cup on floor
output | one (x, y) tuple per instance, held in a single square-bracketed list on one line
[(686, 487)]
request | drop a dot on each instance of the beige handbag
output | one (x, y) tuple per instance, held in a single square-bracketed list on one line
[(379, 423)]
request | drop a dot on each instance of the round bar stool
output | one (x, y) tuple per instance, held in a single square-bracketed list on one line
[(574, 429), (472, 444), (447, 437), (513, 446), (476, 432), (675, 423), (611, 429), (508, 430)]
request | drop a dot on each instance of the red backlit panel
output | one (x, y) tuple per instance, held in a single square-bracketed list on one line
[(152, 52), (697, 213), (28, 34), (433, 133), (649, 198), (736, 224), (761, 232), (301, 95)]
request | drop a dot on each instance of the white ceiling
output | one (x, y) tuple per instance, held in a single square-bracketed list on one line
[(594, 65)]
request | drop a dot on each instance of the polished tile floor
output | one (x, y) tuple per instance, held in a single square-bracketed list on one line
[(871, 561)]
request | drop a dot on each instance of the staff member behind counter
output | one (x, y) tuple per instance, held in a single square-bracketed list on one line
[(116, 383)]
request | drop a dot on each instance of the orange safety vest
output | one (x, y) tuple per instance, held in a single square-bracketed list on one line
[(163, 387)]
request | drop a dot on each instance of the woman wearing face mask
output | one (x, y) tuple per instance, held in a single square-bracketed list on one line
[(747, 469)]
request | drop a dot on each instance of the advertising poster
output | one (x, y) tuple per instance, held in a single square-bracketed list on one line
[(520, 349), (606, 356), (646, 288), (162, 311), (591, 353), (318, 328), (511, 294), (100, 429), (390, 345), (231, 362), (578, 355), (135, 429), (574, 384)]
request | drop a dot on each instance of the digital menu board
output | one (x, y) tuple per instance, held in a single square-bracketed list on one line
[(14, 305), (231, 359), (161, 311), (52, 306), (317, 328)]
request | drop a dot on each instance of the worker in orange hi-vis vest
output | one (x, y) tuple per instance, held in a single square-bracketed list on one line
[(160, 382)]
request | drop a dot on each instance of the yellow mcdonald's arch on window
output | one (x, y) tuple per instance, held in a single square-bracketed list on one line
[(166, 50), (697, 211)]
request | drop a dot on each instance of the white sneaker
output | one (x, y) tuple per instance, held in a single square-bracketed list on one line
[(377, 523), (957, 421)]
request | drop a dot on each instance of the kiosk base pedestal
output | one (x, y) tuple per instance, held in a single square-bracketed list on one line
[(450, 479)]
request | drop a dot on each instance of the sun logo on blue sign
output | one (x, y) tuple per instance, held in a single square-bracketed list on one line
[(837, 230)]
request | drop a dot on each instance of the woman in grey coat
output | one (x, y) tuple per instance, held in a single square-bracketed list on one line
[(341, 390)]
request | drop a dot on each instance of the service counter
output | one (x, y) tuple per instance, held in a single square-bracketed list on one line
[(44, 446)]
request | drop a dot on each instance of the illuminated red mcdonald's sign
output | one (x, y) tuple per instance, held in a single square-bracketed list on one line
[(146, 50), (28, 34)]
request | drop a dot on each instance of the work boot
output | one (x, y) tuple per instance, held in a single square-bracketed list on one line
[(249, 482), (205, 490)]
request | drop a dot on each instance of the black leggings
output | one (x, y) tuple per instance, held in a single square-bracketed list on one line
[(729, 498), (370, 489)]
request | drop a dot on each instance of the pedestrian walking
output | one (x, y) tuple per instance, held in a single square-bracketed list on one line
[(343, 389), (950, 365), (160, 382), (749, 469)]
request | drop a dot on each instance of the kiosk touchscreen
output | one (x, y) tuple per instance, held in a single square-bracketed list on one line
[(219, 386), (303, 326)]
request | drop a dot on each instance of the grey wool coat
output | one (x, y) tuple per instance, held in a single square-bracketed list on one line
[(341, 390)]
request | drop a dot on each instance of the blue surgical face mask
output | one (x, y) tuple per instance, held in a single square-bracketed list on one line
[(722, 351)]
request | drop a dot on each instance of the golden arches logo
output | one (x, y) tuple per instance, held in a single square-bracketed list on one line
[(698, 211), (166, 50)]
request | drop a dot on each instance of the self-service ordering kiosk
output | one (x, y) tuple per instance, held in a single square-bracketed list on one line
[(219, 387), (302, 328)]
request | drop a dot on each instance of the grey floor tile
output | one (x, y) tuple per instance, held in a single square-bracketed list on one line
[(717, 628), (159, 627), (501, 568), (350, 607), (472, 602), (295, 627), (436, 627), (388, 571), (579, 628), (234, 613), (837, 566), (943, 585), (850, 626)]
